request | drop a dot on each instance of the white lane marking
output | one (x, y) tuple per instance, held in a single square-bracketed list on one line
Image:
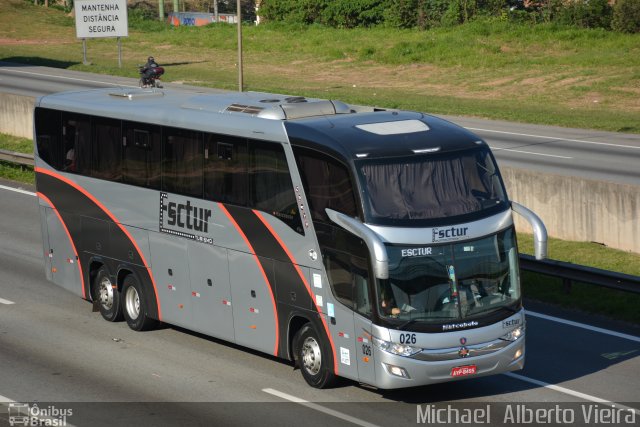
[(6, 302), (529, 152), (570, 392), (66, 78), (557, 138), (17, 190), (319, 408), (583, 326)]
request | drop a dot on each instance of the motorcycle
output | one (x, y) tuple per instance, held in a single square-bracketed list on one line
[(153, 79)]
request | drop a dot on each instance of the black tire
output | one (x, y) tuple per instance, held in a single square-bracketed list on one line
[(106, 293), (314, 358), (141, 82), (134, 305)]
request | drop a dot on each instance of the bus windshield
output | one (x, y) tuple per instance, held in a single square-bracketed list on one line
[(450, 282), (410, 190)]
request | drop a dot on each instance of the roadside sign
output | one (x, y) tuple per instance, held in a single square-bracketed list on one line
[(101, 18)]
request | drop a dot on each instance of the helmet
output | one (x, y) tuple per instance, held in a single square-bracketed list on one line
[(150, 59)]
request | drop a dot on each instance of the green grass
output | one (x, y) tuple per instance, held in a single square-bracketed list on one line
[(582, 297), (491, 68), (12, 171), (585, 297), (17, 173), (14, 143), (586, 253)]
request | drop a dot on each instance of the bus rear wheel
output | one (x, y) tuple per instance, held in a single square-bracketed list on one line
[(108, 297), (314, 358), (135, 307)]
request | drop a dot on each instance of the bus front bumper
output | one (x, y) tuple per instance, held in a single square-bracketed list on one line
[(394, 371)]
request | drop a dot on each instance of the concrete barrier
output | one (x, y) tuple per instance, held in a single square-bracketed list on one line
[(574, 208), (16, 115)]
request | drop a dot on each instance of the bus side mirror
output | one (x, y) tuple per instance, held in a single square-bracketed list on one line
[(377, 250), (539, 230)]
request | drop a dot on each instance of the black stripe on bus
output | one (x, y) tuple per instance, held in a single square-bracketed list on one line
[(89, 225), (287, 279)]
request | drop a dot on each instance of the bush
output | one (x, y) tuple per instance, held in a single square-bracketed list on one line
[(431, 13), (401, 14), (423, 14), (626, 16), (354, 13), (293, 11), (579, 13)]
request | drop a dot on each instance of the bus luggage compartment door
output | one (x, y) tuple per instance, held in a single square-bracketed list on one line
[(171, 272), (254, 317), (211, 291)]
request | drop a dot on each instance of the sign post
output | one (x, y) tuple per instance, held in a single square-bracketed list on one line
[(240, 82), (84, 52), (101, 18)]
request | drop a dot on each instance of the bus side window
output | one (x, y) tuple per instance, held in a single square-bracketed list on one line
[(182, 162), (362, 300), (338, 268), (48, 140), (225, 169), (349, 278), (327, 184), (106, 150), (271, 185), (142, 155), (76, 134)]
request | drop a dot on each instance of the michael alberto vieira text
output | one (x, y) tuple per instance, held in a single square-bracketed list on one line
[(516, 414)]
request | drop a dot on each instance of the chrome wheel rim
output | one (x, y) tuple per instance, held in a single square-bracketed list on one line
[(105, 293), (132, 302), (311, 356)]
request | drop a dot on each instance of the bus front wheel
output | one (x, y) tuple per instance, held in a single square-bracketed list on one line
[(108, 297), (135, 307), (314, 358)]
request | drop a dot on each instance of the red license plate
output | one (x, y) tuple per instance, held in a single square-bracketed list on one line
[(461, 371)]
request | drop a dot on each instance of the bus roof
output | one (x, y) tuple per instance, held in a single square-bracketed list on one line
[(316, 123)]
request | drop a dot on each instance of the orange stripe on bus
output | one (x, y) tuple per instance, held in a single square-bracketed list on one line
[(73, 246), (114, 219), (306, 284), (264, 275)]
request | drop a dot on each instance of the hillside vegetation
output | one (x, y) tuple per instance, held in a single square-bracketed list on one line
[(488, 67)]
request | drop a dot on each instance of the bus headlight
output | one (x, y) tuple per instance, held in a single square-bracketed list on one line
[(514, 334), (395, 348)]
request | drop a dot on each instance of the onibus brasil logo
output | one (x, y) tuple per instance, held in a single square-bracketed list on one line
[(23, 414)]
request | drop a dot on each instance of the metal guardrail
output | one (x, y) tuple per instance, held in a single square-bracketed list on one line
[(566, 271), (569, 273), (19, 158)]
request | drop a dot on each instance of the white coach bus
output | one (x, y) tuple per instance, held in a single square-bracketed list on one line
[(373, 245)]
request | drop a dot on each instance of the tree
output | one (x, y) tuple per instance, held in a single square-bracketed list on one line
[(626, 16)]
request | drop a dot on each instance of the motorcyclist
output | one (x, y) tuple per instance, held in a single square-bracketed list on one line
[(147, 69)]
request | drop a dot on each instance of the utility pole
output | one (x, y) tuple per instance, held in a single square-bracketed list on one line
[(161, 9), (239, 17)]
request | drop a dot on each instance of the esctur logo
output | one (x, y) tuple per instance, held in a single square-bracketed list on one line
[(183, 219), (453, 233)]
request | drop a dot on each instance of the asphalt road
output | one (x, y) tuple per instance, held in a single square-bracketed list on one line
[(58, 353), (598, 155)]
